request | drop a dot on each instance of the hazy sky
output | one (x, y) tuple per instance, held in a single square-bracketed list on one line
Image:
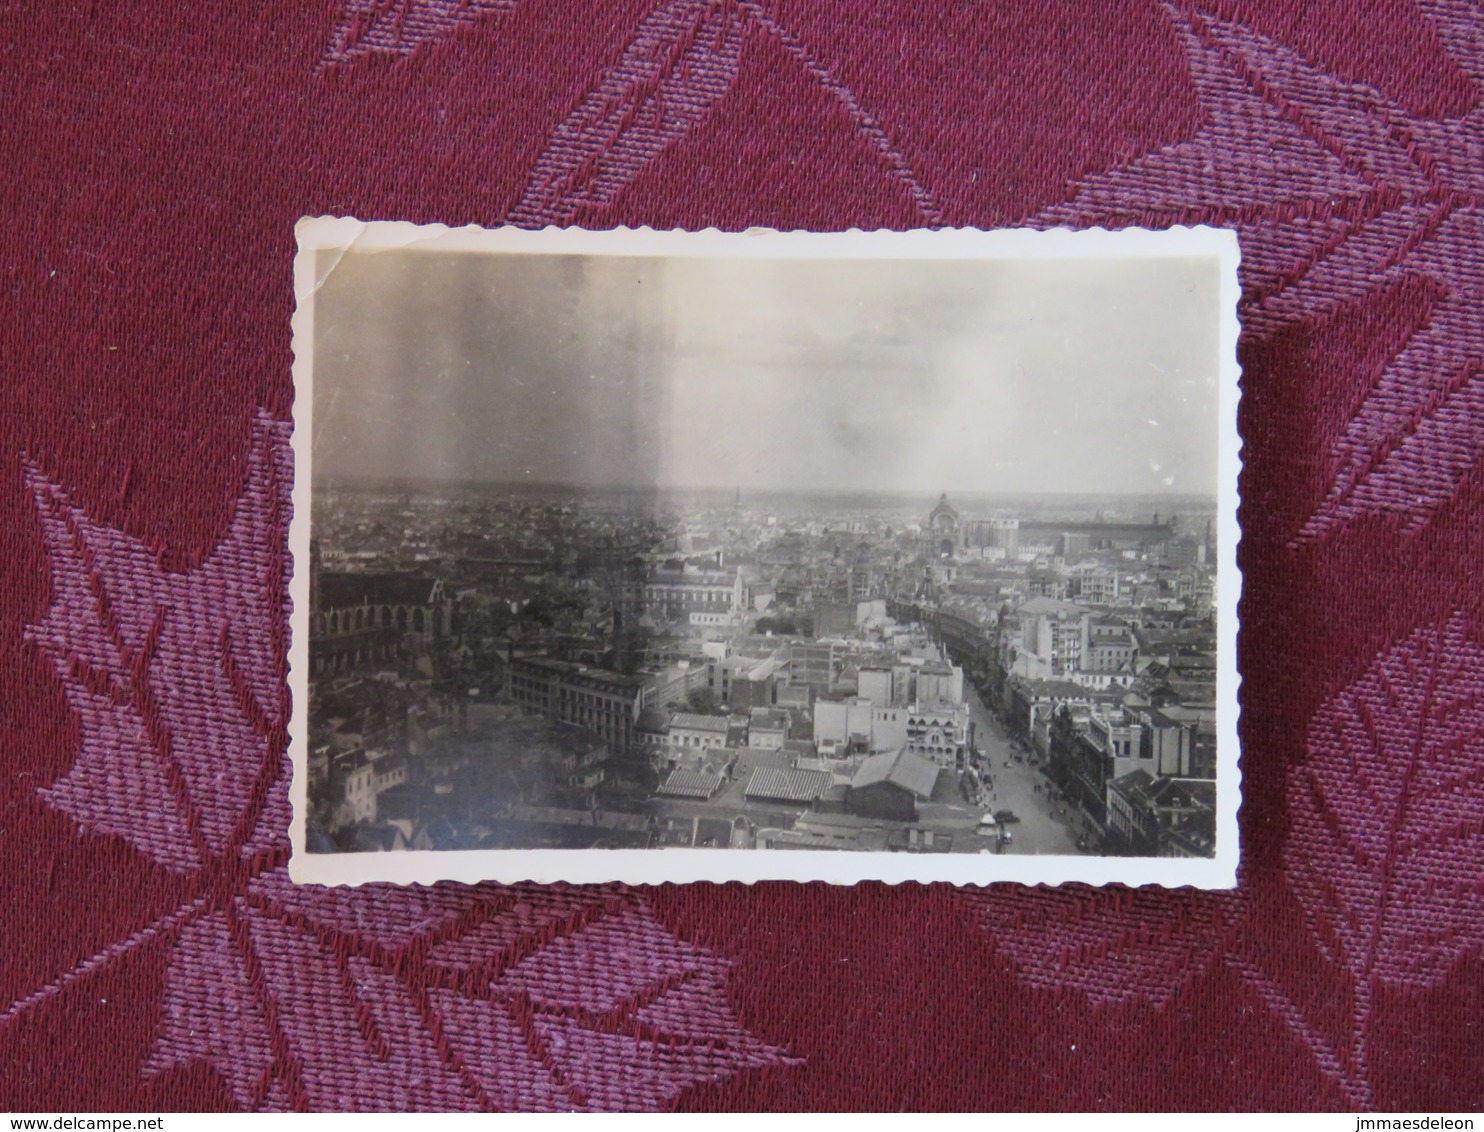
[(914, 376)]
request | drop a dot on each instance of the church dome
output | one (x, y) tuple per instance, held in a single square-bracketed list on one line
[(943, 515)]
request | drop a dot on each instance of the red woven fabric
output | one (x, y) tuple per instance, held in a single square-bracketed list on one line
[(156, 160)]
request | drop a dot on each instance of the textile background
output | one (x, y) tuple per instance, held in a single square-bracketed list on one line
[(156, 159)]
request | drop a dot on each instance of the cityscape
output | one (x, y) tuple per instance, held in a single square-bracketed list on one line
[(546, 669), (613, 552)]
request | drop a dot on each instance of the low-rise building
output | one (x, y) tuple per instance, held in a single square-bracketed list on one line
[(673, 683), (652, 734), (890, 785), (783, 784), (838, 722), (941, 732), (767, 729), (357, 775), (698, 785), (690, 731), (1108, 645)]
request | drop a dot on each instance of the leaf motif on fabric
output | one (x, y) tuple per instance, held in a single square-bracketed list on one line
[(385, 997), (681, 61), (1115, 945), (1386, 851), (627, 1016), (381, 1020), (397, 28), (1336, 192), (212, 1013), (174, 677)]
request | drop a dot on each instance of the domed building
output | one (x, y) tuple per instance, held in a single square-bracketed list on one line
[(945, 531)]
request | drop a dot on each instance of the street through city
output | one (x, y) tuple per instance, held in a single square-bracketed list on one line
[(1045, 826), (1022, 788)]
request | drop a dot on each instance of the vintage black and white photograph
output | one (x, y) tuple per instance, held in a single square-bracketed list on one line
[(670, 556)]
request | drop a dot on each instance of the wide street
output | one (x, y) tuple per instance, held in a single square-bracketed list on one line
[(1021, 788)]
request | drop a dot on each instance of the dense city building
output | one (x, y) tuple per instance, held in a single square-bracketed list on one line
[(606, 703), (565, 670)]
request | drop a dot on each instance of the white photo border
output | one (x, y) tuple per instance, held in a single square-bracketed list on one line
[(316, 235)]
